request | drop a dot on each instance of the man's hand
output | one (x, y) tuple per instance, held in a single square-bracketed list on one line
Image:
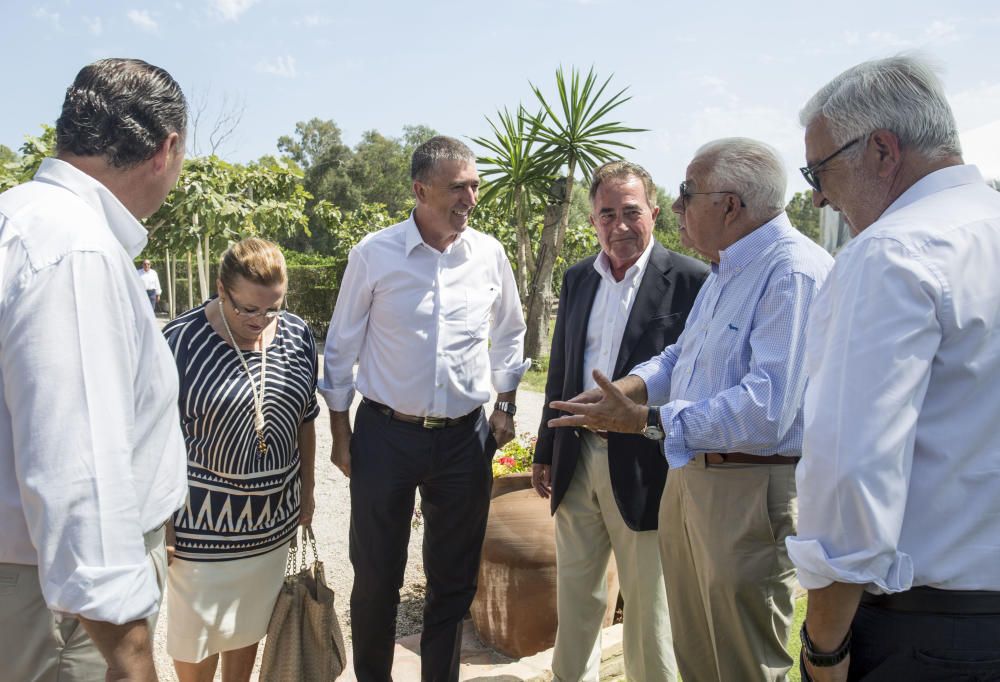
[(170, 540), (615, 411), (340, 431), (126, 648), (835, 673), (340, 455), (307, 506), (541, 479), (502, 426)]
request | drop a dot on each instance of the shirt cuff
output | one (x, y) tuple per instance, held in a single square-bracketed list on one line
[(508, 379), (674, 447), (816, 569), (117, 595), (657, 382), (337, 399)]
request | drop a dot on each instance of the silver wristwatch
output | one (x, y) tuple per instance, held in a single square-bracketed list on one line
[(654, 427), (505, 406)]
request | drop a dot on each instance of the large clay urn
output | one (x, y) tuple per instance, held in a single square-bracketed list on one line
[(515, 608)]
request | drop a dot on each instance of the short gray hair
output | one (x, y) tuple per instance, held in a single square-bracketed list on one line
[(749, 168), (901, 94), (438, 148)]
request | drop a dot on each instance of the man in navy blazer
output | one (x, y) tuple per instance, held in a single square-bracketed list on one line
[(616, 310)]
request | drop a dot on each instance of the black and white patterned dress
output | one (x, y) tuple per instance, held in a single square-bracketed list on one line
[(240, 504)]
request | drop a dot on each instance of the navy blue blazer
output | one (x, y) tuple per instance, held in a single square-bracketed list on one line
[(664, 299)]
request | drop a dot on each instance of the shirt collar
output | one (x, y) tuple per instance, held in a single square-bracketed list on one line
[(945, 178), (413, 238), (127, 230), (744, 251), (603, 265)]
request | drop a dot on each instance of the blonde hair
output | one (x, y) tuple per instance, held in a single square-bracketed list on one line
[(255, 260)]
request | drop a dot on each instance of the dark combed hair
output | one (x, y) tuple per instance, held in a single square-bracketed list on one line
[(121, 109)]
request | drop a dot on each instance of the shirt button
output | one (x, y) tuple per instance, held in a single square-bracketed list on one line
[(439, 385)]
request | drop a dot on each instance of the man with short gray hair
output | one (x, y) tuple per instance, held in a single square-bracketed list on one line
[(429, 310), (899, 533), (92, 460), (725, 401)]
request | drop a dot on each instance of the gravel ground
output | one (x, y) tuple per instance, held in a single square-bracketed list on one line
[(331, 524)]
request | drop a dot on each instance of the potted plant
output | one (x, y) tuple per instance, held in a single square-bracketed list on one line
[(514, 610)]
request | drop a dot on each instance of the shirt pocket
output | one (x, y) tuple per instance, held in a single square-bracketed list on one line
[(478, 308)]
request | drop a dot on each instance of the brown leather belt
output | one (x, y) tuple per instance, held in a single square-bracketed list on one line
[(744, 458), (925, 599), (425, 422)]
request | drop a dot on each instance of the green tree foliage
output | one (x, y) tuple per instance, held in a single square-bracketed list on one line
[(804, 215), (14, 171), (376, 171), (7, 155)]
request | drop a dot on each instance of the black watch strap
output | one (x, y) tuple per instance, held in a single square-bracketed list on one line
[(824, 659)]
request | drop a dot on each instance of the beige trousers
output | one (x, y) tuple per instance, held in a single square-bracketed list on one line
[(722, 539), (39, 646), (588, 527)]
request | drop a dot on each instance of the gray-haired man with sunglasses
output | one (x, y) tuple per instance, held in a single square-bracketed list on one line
[(726, 402)]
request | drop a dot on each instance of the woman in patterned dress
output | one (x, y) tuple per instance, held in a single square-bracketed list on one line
[(247, 404)]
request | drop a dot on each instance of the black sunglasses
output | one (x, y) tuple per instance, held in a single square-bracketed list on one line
[(809, 172), (685, 195)]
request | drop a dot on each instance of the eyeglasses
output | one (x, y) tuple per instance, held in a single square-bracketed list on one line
[(251, 314), (810, 172), (686, 195)]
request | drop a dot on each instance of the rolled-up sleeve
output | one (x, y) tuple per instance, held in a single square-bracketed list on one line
[(346, 335), (69, 361), (872, 344), (507, 362)]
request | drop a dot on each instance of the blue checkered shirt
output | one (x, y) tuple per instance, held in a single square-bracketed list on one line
[(734, 380)]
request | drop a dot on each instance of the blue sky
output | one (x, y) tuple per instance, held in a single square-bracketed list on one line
[(696, 71)]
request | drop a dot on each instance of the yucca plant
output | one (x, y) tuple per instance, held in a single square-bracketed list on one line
[(572, 133)]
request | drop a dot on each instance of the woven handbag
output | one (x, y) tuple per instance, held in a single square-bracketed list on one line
[(304, 642)]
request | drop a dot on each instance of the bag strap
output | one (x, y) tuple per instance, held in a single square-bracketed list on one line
[(293, 548), (308, 536)]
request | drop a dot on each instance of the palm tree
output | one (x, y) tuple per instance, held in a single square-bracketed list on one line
[(516, 182), (577, 137)]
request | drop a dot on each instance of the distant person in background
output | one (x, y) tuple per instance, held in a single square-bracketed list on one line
[(247, 403), (151, 283), (91, 453), (616, 310)]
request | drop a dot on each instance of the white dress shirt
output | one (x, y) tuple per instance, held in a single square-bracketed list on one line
[(609, 315), (91, 453), (150, 280), (428, 329), (899, 483)]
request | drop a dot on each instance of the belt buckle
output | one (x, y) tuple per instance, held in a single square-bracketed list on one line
[(435, 422)]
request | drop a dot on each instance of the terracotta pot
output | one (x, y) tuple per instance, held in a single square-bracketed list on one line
[(515, 608)]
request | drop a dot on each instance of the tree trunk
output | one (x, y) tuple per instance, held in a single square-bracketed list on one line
[(536, 340), (171, 304), (190, 283), (525, 262)]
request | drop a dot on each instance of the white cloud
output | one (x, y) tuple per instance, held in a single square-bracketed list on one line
[(312, 21), (94, 25), (232, 9), (48, 16), (942, 32), (143, 20), (976, 106), (283, 67), (981, 146)]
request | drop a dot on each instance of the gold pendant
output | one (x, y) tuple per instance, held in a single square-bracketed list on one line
[(261, 446)]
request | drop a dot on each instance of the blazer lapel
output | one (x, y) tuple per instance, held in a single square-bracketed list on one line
[(647, 302)]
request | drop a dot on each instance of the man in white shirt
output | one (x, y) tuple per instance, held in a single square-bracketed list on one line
[(616, 310), (151, 283), (899, 485), (429, 310), (92, 460)]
